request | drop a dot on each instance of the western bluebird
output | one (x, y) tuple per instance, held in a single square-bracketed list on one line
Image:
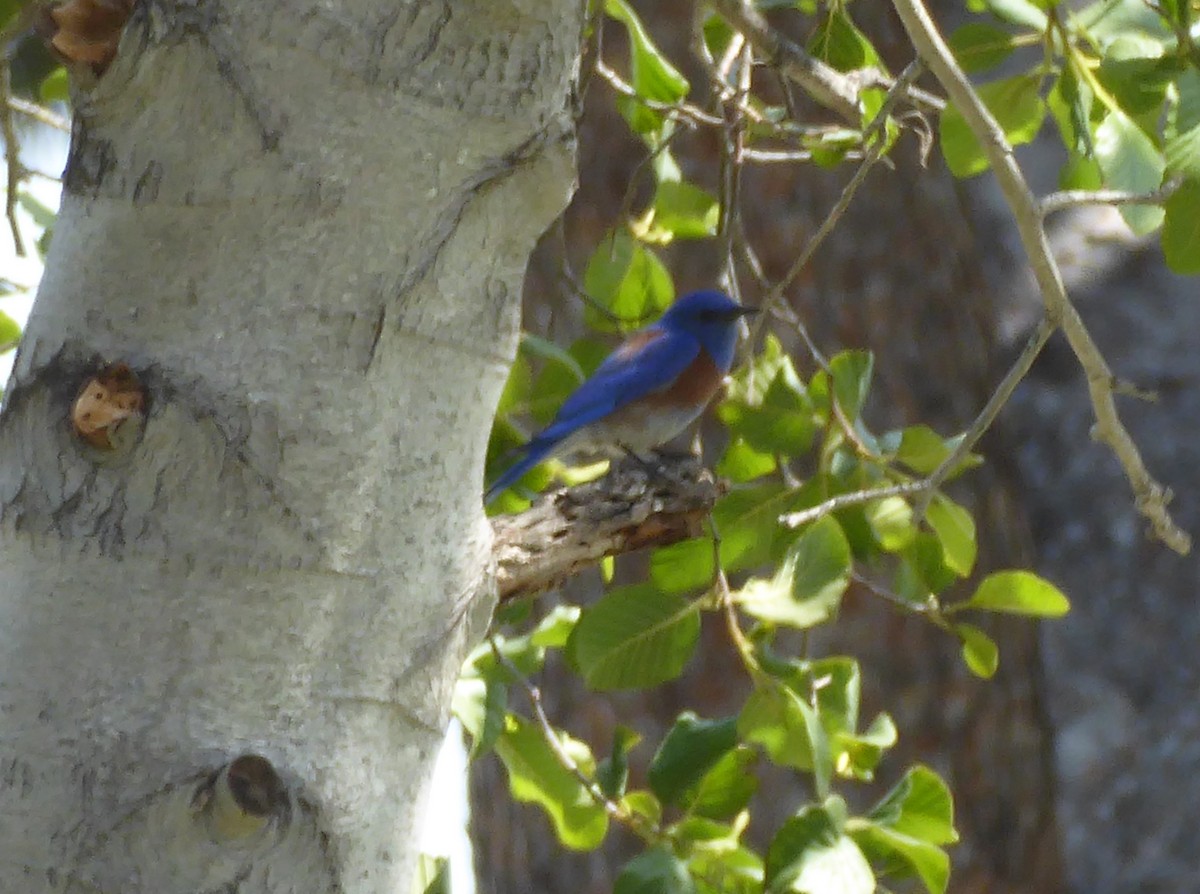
[(647, 391)]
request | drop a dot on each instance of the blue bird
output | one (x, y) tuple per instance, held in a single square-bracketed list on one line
[(647, 391)]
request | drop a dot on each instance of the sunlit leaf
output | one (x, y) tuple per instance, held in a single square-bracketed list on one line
[(626, 279), (535, 774), (1130, 161), (1017, 107), (810, 853), (955, 530), (979, 650), (1019, 593)]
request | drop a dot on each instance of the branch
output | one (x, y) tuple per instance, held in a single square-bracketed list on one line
[(854, 498), (39, 113), (876, 146), (12, 152), (987, 415), (1150, 497), (570, 529), (825, 84), (1073, 198)]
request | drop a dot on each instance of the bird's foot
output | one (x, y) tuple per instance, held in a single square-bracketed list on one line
[(661, 463)]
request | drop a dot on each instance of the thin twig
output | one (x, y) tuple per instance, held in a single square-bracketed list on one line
[(825, 84), (550, 735), (1073, 198), (1150, 497), (930, 610), (39, 113), (1014, 376), (681, 111), (732, 147), (874, 152), (854, 498), (12, 155)]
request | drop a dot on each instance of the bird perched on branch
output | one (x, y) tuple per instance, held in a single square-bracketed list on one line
[(647, 391)]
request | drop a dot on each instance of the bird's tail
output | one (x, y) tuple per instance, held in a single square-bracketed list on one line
[(535, 452)]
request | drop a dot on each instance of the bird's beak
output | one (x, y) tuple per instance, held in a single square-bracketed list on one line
[(746, 311)]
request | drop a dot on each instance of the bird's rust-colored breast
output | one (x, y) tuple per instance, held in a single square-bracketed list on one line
[(695, 386)]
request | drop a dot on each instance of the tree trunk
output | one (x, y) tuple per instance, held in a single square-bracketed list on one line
[(303, 226)]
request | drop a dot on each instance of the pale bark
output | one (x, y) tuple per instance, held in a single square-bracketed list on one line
[(304, 225)]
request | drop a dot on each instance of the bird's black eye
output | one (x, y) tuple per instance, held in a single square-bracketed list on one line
[(709, 316)]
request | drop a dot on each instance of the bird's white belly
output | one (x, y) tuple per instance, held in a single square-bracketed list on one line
[(628, 429)]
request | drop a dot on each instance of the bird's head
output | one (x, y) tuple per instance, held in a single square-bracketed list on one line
[(711, 318)]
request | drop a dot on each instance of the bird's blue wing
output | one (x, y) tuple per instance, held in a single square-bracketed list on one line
[(648, 361)]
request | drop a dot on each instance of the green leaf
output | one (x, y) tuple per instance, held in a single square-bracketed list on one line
[(726, 789), (1070, 104), (432, 876), (1018, 12), (612, 774), (548, 350), (748, 519), (923, 450), (683, 566), (852, 380), (10, 332), (1130, 161), (955, 530), (657, 871), (979, 46), (807, 589), (837, 683), (923, 570), (55, 87), (1183, 154), (979, 651), (1080, 172), (726, 869), (633, 638), (680, 210), (839, 42), (741, 462), (1017, 107), (906, 828), (536, 775), (650, 73), (1181, 229), (626, 279), (1019, 593), (691, 748), (553, 631), (789, 730), (768, 405), (481, 704), (43, 215), (919, 805), (811, 854), (891, 522), (643, 804), (776, 416), (857, 755), (904, 855)]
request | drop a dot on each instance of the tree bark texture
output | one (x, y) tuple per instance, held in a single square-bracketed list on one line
[(303, 226), (906, 274)]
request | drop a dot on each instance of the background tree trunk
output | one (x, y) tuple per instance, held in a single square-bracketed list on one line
[(906, 274), (304, 227)]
